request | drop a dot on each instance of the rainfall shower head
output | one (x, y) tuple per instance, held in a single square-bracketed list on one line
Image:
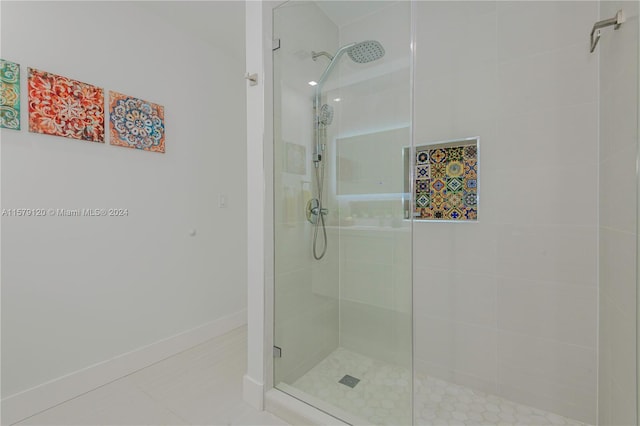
[(362, 53), (366, 51), (325, 117)]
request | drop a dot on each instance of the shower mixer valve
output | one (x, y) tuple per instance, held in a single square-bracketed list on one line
[(314, 210)]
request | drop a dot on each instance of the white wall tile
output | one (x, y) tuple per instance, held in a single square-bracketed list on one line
[(470, 42), (529, 91), (555, 362), (526, 195), (618, 50), (617, 268), (527, 28), (377, 332), (459, 347), (456, 296), (618, 188), (549, 310), (465, 247), (562, 77), (550, 253), (574, 402), (569, 136), (367, 283)]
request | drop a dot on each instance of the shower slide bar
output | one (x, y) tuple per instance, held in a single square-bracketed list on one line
[(616, 21)]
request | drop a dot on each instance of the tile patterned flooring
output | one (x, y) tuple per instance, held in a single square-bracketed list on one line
[(383, 396), (201, 386)]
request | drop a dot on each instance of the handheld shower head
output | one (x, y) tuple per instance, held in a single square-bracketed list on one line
[(366, 51), (325, 116)]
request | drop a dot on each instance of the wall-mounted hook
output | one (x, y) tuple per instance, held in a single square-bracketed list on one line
[(616, 21), (253, 79)]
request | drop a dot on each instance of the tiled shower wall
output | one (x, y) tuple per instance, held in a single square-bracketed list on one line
[(508, 305), (618, 52)]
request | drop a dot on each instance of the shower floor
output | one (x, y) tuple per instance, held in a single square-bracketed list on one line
[(382, 396)]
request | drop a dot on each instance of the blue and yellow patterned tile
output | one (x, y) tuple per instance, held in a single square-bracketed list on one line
[(454, 154), (423, 172), (471, 169), (455, 214), (470, 199), (438, 171), (438, 155), (471, 214), (470, 151), (422, 157), (426, 213), (438, 185), (439, 214), (471, 185), (456, 200), (423, 200), (454, 169), (454, 184), (437, 200), (423, 185)]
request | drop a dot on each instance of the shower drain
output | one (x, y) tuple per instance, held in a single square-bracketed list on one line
[(349, 381)]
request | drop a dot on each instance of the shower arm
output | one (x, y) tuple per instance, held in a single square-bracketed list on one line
[(317, 155)]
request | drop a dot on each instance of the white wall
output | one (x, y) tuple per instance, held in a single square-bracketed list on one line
[(618, 52), (508, 305), (78, 291)]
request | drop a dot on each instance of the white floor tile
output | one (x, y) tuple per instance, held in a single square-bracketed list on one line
[(382, 397), (200, 386)]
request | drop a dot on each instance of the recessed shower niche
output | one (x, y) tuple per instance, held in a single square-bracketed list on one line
[(446, 180)]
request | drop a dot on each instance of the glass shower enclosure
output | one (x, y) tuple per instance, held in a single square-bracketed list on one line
[(342, 132), (455, 210)]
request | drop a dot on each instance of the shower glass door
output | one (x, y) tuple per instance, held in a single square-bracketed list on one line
[(342, 155)]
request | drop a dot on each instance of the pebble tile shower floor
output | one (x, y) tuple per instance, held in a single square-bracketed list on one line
[(382, 397)]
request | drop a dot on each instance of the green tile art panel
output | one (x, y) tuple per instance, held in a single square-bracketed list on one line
[(9, 95), (447, 182)]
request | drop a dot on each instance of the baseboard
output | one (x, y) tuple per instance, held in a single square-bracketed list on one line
[(32, 401), (253, 392)]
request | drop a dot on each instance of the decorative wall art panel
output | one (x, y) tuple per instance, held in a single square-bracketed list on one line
[(64, 107), (9, 95), (135, 123), (446, 186)]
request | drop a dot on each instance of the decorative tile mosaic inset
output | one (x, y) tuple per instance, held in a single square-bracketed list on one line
[(60, 106), (136, 123), (9, 95), (447, 181)]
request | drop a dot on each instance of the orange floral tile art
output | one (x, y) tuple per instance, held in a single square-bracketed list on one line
[(64, 107)]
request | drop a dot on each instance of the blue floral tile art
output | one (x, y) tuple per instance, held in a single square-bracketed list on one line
[(136, 123)]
